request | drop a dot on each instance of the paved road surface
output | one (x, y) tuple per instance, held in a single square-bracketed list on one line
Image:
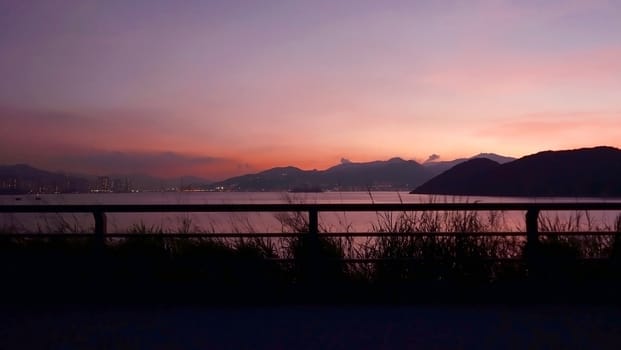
[(311, 327)]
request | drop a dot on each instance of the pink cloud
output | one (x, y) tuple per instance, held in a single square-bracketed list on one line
[(540, 131), (497, 73), (38, 130)]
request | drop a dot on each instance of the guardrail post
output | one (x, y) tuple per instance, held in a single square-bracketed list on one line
[(99, 244), (313, 222), (101, 226), (531, 250), (313, 245), (532, 226)]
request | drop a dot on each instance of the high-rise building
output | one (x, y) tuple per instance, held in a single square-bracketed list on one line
[(103, 184)]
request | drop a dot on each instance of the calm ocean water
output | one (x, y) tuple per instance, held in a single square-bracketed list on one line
[(259, 222)]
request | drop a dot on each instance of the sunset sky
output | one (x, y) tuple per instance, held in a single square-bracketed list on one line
[(219, 88)]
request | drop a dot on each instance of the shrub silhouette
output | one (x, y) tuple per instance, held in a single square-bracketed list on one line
[(411, 256)]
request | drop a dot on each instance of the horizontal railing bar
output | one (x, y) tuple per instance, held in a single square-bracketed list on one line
[(422, 234), (420, 259), (153, 235), (46, 235), (204, 235), (417, 259), (405, 259), (451, 258), (321, 234), (327, 207), (578, 233), (447, 258)]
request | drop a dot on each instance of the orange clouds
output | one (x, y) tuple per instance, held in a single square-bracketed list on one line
[(108, 143), (37, 130), (230, 87)]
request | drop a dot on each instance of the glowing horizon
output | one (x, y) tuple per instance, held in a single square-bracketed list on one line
[(218, 89)]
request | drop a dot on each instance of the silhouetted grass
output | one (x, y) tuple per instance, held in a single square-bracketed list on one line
[(575, 265), (417, 254), (424, 256)]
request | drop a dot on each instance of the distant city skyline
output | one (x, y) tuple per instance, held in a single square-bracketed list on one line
[(222, 88)]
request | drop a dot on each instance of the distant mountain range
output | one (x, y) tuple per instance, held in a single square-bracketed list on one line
[(393, 174), (586, 172), (438, 167), (390, 175), (22, 178)]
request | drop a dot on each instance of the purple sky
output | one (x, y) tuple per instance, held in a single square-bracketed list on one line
[(222, 88)]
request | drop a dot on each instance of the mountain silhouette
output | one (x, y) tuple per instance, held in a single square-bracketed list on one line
[(275, 179), (585, 172), (392, 174), (22, 178), (458, 179), (438, 167)]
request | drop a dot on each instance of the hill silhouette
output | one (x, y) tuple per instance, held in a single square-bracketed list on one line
[(585, 172), (459, 178), (22, 178), (392, 174), (438, 167)]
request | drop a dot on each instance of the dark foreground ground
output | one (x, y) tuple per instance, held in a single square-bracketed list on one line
[(311, 327)]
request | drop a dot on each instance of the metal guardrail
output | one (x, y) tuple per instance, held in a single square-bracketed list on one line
[(311, 267), (532, 211), (312, 234)]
